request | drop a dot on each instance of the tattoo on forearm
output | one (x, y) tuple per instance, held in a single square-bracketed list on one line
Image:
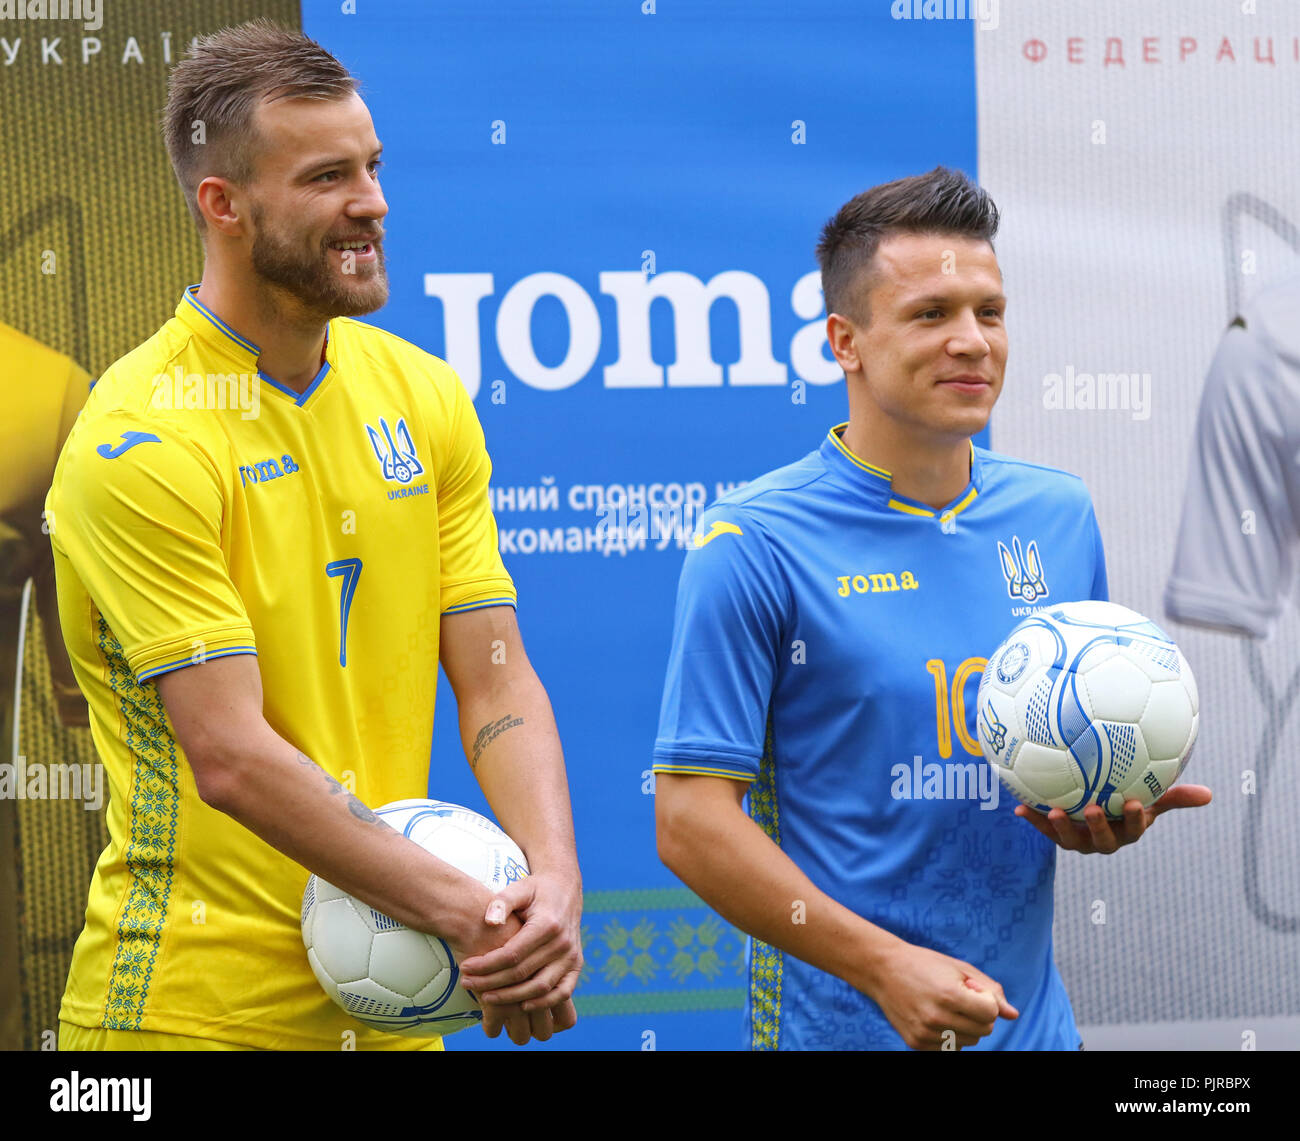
[(489, 733), (359, 810)]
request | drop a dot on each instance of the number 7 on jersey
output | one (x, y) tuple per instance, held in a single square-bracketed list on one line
[(350, 571)]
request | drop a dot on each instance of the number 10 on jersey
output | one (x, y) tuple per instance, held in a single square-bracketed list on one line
[(950, 707)]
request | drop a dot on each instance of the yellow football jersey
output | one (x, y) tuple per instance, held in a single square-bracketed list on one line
[(200, 509)]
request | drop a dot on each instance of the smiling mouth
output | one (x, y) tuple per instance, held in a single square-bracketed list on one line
[(363, 246)]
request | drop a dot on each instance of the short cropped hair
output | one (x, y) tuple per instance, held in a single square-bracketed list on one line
[(941, 202), (214, 91)]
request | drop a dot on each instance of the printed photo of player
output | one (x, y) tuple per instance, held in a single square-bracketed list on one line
[(1234, 565), (42, 391)]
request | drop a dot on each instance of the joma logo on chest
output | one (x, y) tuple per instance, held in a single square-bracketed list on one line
[(875, 583), (265, 470)]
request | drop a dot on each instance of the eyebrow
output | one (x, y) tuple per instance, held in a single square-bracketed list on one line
[(943, 299), (325, 164)]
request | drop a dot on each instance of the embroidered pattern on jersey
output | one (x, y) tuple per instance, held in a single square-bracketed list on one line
[(150, 854), (767, 963)]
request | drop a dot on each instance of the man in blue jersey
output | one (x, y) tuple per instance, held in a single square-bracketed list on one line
[(832, 624)]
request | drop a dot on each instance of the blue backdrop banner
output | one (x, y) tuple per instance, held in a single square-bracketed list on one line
[(603, 215)]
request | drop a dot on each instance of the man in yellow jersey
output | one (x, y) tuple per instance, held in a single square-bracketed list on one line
[(41, 391), (270, 523)]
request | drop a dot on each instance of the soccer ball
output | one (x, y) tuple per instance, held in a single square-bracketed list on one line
[(1087, 703), (383, 973)]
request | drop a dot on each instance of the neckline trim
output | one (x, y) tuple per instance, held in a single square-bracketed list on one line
[(243, 347), (880, 480)]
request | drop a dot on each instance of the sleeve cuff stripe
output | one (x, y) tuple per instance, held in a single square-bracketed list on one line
[(481, 603), (704, 771), (188, 660)]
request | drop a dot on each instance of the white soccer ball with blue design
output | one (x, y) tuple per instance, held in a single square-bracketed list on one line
[(383, 973), (1087, 703)]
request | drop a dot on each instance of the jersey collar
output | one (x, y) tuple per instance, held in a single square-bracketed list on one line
[(204, 323), (878, 483)]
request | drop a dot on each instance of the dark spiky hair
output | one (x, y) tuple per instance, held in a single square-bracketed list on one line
[(941, 202)]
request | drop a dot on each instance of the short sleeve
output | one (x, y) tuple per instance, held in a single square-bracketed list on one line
[(731, 608), (472, 574), (137, 510), (1235, 551)]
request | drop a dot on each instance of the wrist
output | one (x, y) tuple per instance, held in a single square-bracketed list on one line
[(458, 915), (560, 863), (871, 961)]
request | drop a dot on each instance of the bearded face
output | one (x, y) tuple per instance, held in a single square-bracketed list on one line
[(339, 275)]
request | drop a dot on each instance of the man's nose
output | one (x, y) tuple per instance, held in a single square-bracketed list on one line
[(968, 338)]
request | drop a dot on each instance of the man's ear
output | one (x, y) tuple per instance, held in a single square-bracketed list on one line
[(216, 201), (839, 335)]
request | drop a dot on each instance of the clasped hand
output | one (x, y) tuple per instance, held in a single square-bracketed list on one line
[(526, 985)]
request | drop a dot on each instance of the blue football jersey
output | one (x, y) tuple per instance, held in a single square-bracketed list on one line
[(828, 646)]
